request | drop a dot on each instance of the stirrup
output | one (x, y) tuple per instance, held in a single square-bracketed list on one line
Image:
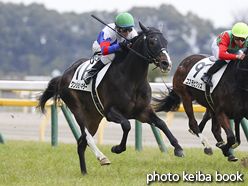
[(87, 80), (209, 83), (207, 79)]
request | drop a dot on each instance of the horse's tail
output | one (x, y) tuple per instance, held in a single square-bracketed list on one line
[(51, 91), (167, 103)]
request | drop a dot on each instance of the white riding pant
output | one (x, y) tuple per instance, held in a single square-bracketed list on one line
[(105, 59), (215, 51)]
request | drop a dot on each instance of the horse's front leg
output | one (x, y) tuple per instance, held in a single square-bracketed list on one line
[(156, 121), (82, 144), (216, 130), (225, 124), (115, 116), (237, 133), (194, 129), (206, 117)]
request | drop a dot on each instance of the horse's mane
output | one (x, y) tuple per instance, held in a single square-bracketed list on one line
[(122, 53), (246, 51)]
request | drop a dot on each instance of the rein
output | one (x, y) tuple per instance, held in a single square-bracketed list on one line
[(140, 55), (240, 68)]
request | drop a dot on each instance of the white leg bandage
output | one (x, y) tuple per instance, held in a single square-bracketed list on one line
[(204, 140), (91, 144)]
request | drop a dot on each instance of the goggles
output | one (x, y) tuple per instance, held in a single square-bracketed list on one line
[(125, 29), (240, 39)]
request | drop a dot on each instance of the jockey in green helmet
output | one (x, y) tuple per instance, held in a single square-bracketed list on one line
[(227, 47), (108, 42)]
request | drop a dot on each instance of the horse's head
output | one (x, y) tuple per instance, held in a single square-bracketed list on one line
[(156, 48)]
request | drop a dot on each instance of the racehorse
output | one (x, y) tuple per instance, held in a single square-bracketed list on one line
[(124, 92), (229, 98)]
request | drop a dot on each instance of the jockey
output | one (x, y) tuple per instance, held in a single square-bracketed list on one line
[(108, 42), (227, 47)]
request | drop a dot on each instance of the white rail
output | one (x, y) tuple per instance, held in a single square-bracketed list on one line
[(23, 85), (41, 85)]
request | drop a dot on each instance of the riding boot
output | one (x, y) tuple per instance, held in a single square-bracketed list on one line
[(93, 71), (207, 77)]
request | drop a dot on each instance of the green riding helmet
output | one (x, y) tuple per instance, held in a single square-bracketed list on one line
[(124, 20), (240, 30)]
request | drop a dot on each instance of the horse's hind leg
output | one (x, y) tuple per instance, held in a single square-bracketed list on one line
[(88, 137), (155, 120), (99, 155), (82, 144)]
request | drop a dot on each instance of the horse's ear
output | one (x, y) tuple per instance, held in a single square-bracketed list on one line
[(161, 26), (143, 27)]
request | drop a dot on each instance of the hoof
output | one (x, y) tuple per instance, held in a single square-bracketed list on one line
[(179, 153), (104, 161), (116, 149), (208, 151), (232, 158), (235, 145)]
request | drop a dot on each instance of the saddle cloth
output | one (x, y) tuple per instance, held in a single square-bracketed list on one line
[(193, 78), (77, 81)]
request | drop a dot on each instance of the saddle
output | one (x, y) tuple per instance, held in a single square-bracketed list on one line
[(77, 81), (193, 78)]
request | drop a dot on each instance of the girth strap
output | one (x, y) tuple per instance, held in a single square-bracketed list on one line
[(96, 98), (209, 97)]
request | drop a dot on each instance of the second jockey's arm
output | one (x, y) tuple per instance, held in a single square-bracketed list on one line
[(225, 41)]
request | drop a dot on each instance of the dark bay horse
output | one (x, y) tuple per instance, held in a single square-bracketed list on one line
[(124, 92), (230, 100)]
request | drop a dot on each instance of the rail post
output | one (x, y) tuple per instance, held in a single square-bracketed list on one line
[(54, 125), (159, 139), (2, 140), (245, 127), (232, 125), (70, 121), (138, 135)]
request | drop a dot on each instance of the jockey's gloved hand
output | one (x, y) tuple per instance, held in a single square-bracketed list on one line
[(125, 44)]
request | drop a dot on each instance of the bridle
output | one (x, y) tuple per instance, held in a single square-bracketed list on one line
[(151, 57)]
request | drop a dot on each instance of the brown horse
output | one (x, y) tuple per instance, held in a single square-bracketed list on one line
[(230, 100), (124, 92)]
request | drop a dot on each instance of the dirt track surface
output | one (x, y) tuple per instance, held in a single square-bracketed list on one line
[(26, 126)]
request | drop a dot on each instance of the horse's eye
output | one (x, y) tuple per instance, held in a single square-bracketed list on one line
[(153, 42)]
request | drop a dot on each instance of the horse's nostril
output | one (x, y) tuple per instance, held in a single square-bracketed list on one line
[(165, 63)]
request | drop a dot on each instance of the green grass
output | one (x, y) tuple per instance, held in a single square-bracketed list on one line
[(38, 163)]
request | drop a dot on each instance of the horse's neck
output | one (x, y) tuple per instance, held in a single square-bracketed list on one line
[(239, 71), (134, 66)]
